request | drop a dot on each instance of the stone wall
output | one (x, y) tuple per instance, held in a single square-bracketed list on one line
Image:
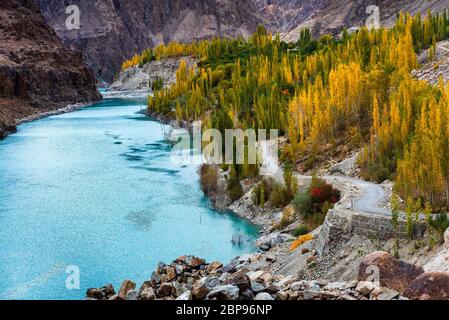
[(340, 225)]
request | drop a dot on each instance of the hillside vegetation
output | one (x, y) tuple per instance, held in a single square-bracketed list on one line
[(356, 91)]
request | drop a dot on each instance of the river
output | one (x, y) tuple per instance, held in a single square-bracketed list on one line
[(95, 191)]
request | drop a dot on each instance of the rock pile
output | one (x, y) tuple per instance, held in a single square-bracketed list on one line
[(191, 278)]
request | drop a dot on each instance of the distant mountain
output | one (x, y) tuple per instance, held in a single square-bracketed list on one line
[(330, 16), (37, 73), (113, 30)]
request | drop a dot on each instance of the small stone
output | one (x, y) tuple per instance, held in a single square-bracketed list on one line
[(240, 280), (285, 281), (247, 295), (160, 268), (305, 250), (127, 286), (339, 286), (270, 258), (185, 296), (273, 289), (311, 259), (298, 286), (293, 295), (156, 278), (263, 296), (147, 294)]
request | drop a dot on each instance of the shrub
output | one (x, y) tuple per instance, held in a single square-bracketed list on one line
[(262, 191), (235, 191), (323, 195), (302, 203), (157, 84), (300, 231), (300, 241), (287, 218), (440, 224), (209, 178), (277, 197)]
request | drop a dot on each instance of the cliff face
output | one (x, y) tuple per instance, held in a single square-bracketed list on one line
[(113, 30), (330, 16), (37, 73)]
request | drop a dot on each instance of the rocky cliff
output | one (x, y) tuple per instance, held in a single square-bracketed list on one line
[(112, 31), (37, 73), (329, 16)]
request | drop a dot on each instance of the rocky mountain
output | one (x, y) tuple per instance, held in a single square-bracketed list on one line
[(37, 73), (111, 31), (329, 16)]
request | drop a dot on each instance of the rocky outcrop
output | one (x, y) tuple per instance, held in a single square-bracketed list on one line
[(137, 78), (112, 31), (392, 273), (37, 73), (330, 16)]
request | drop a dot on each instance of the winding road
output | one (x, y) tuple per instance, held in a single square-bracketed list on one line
[(369, 197)]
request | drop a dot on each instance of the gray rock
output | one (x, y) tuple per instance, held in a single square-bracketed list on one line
[(226, 292), (257, 287), (263, 296), (132, 295)]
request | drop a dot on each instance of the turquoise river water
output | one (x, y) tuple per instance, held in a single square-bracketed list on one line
[(95, 191)]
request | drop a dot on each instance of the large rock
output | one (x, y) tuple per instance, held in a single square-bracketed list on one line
[(272, 240), (263, 297), (393, 273), (429, 286), (226, 292), (127, 286), (203, 287)]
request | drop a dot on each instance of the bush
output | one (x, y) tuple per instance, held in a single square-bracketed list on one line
[(287, 218), (300, 231), (440, 224), (157, 84), (323, 195), (278, 197), (302, 203), (209, 178), (261, 193), (235, 190)]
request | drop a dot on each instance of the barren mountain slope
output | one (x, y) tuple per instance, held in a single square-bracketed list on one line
[(37, 73), (112, 31)]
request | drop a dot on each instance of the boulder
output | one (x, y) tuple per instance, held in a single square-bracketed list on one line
[(257, 287), (272, 240), (147, 294), (392, 273), (171, 273), (127, 286), (132, 295), (195, 263), (203, 287), (165, 290), (429, 286), (226, 292), (214, 267), (240, 280), (263, 296), (230, 268), (95, 294)]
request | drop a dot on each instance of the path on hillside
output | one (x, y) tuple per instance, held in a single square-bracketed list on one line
[(367, 199)]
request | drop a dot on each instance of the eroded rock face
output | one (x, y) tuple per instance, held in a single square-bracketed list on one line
[(114, 30), (429, 286), (393, 273), (37, 73)]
